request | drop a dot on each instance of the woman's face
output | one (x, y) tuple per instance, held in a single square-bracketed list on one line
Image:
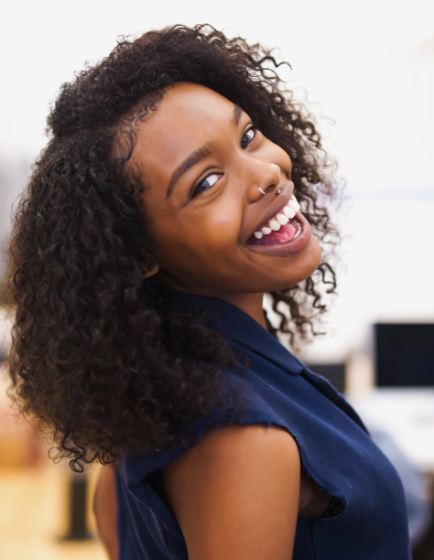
[(201, 214)]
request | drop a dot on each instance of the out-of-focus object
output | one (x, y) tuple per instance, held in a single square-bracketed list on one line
[(415, 485), (6, 320), (20, 443), (407, 414), (334, 372), (404, 354), (401, 422), (77, 529)]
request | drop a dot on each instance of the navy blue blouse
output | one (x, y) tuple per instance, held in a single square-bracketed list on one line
[(336, 450)]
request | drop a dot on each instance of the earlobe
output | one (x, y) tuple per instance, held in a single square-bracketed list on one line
[(151, 271)]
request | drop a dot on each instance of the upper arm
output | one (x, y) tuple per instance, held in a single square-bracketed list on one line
[(236, 494)]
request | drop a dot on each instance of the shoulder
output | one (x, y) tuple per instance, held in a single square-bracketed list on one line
[(234, 489), (223, 447)]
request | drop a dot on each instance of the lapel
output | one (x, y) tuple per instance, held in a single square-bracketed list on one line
[(324, 385)]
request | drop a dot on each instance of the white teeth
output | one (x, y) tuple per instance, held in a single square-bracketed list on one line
[(282, 219), (288, 211), (293, 203), (275, 225)]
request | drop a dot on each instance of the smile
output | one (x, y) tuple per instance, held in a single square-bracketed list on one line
[(281, 218), (285, 233)]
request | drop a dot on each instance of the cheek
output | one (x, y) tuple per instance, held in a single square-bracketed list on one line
[(221, 231), (217, 229), (211, 237), (197, 242)]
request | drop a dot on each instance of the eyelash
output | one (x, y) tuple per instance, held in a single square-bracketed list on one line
[(195, 190)]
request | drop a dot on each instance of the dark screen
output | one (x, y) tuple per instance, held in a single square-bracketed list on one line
[(404, 354), (335, 373)]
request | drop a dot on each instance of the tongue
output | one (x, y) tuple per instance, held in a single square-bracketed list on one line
[(285, 234)]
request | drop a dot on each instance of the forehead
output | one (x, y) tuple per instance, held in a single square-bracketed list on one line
[(188, 116)]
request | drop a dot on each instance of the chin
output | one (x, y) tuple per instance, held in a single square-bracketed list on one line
[(305, 270)]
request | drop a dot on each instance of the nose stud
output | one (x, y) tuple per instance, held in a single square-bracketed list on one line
[(278, 191)]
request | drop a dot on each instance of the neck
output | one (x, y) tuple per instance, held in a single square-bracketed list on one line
[(250, 303)]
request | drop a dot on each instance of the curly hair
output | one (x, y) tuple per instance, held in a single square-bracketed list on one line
[(97, 358)]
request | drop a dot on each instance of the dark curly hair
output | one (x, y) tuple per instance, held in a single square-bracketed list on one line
[(97, 358)]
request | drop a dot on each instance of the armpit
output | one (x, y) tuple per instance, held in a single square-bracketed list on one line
[(316, 503)]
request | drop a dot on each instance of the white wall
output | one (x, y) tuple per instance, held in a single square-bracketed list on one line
[(368, 66), (386, 274)]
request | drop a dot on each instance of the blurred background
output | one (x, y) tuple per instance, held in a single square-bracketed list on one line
[(366, 70)]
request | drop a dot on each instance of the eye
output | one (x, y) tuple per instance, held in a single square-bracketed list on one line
[(250, 129), (202, 185)]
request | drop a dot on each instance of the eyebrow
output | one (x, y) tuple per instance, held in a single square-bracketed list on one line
[(198, 155)]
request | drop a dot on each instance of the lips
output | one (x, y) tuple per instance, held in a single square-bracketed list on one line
[(272, 211), (290, 248)]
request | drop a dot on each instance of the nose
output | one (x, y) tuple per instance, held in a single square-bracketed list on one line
[(267, 178)]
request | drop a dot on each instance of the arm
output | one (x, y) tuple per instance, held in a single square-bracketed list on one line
[(236, 494), (104, 508)]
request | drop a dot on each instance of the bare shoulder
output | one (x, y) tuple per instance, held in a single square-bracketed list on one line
[(236, 493)]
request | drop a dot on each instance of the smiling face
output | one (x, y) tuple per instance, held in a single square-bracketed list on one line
[(201, 215)]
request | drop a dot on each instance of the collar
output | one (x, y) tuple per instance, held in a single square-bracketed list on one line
[(237, 326)]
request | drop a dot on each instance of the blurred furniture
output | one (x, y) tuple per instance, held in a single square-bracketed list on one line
[(406, 415), (403, 400), (33, 512), (22, 446), (77, 522)]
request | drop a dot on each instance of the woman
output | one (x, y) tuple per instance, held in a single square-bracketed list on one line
[(179, 193)]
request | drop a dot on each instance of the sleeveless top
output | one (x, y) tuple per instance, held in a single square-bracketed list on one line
[(367, 518)]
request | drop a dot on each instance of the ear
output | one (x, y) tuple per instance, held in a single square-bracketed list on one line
[(151, 271)]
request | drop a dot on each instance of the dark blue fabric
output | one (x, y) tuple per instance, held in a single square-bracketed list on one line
[(335, 448)]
